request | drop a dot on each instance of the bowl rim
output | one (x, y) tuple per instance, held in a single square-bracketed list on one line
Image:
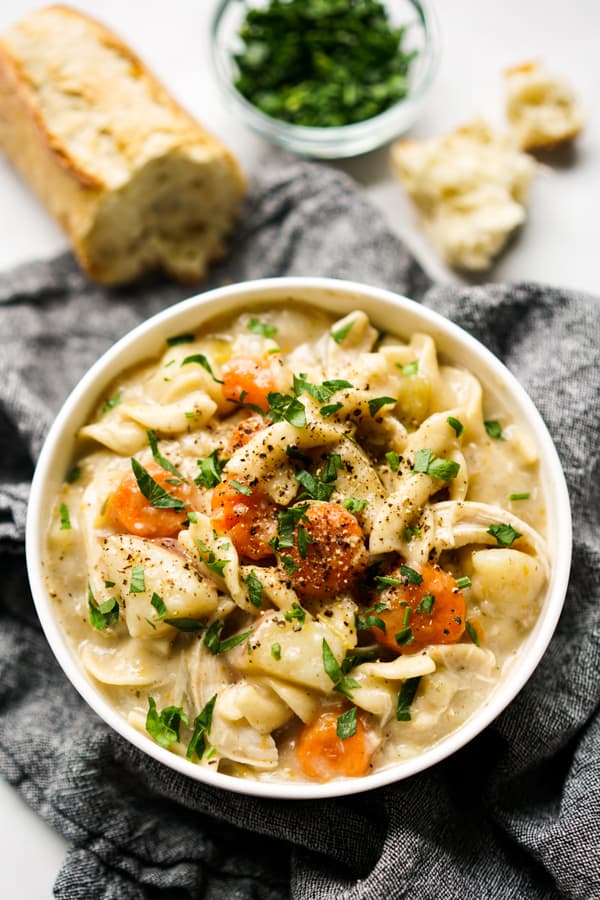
[(340, 295), (379, 128)]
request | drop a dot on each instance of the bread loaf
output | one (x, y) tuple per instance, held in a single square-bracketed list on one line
[(470, 187), (134, 180)]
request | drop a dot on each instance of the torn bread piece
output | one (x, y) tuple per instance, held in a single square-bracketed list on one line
[(133, 179), (470, 188), (542, 110)]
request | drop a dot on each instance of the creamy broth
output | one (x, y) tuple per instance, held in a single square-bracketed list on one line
[(292, 548)]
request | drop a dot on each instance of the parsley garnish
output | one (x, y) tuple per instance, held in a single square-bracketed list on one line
[(318, 490), (366, 619), (276, 651), (524, 496), (343, 331), (255, 589), (74, 474), (429, 464), (202, 361), (404, 636), (297, 454), (104, 614), (183, 623), (212, 639), (262, 328), (333, 464), (456, 424), (288, 564), (426, 604), (354, 505), (494, 429), (464, 582), (303, 540), (65, 521), (505, 534), (377, 402), (393, 460), (330, 409), (384, 581), (159, 605), (151, 489), (355, 659), (295, 613), (346, 724), (164, 726), (320, 392), (411, 576), (181, 339), (202, 725), (110, 403), (210, 560), (406, 697), (138, 580), (161, 460), (341, 682), (286, 407), (241, 488), (287, 519), (410, 368), (472, 632), (210, 470), (410, 532)]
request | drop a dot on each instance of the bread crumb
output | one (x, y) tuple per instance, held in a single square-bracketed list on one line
[(470, 187), (542, 110)]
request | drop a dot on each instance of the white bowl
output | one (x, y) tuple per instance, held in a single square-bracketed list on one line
[(389, 312)]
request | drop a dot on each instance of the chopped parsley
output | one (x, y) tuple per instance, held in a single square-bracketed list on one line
[(410, 532), (181, 339), (202, 726), (318, 490), (456, 424), (426, 604), (210, 470), (104, 614), (241, 488), (354, 505), (505, 534), (472, 632), (378, 402), (65, 521), (288, 564), (255, 589), (367, 619), (404, 636), (287, 520), (319, 392), (303, 539), (341, 683), (410, 368), (298, 455), (494, 429), (210, 560), (262, 328), (151, 489), (346, 724), (201, 360), (411, 575), (276, 651), (159, 605), (286, 407), (212, 639), (184, 623), (330, 409), (73, 474), (463, 583), (138, 580), (342, 332), (393, 460), (524, 496), (110, 403), (296, 613), (429, 464), (161, 460), (164, 727), (406, 697)]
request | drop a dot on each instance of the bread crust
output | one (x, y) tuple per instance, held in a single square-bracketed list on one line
[(97, 136)]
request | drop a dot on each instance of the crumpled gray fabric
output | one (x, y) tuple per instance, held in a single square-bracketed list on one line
[(515, 814)]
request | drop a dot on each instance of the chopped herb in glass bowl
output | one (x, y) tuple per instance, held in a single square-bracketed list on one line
[(328, 78)]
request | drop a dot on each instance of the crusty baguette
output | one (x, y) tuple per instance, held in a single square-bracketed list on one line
[(541, 109), (134, 180), (470, 187)]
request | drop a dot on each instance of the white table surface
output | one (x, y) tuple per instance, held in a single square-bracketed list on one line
[(559, 244)]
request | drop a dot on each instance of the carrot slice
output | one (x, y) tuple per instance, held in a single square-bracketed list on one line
[(248, 519), (331, 554), (432, 612), (128, 510), (249, 379), (244, 432), (321, 754)]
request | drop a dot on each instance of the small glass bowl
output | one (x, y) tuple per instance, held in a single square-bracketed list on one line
[(345, 140)]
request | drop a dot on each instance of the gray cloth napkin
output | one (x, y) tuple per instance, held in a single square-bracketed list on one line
[(515, 814)]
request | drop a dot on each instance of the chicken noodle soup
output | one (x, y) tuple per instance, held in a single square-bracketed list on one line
[(294, 548)]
